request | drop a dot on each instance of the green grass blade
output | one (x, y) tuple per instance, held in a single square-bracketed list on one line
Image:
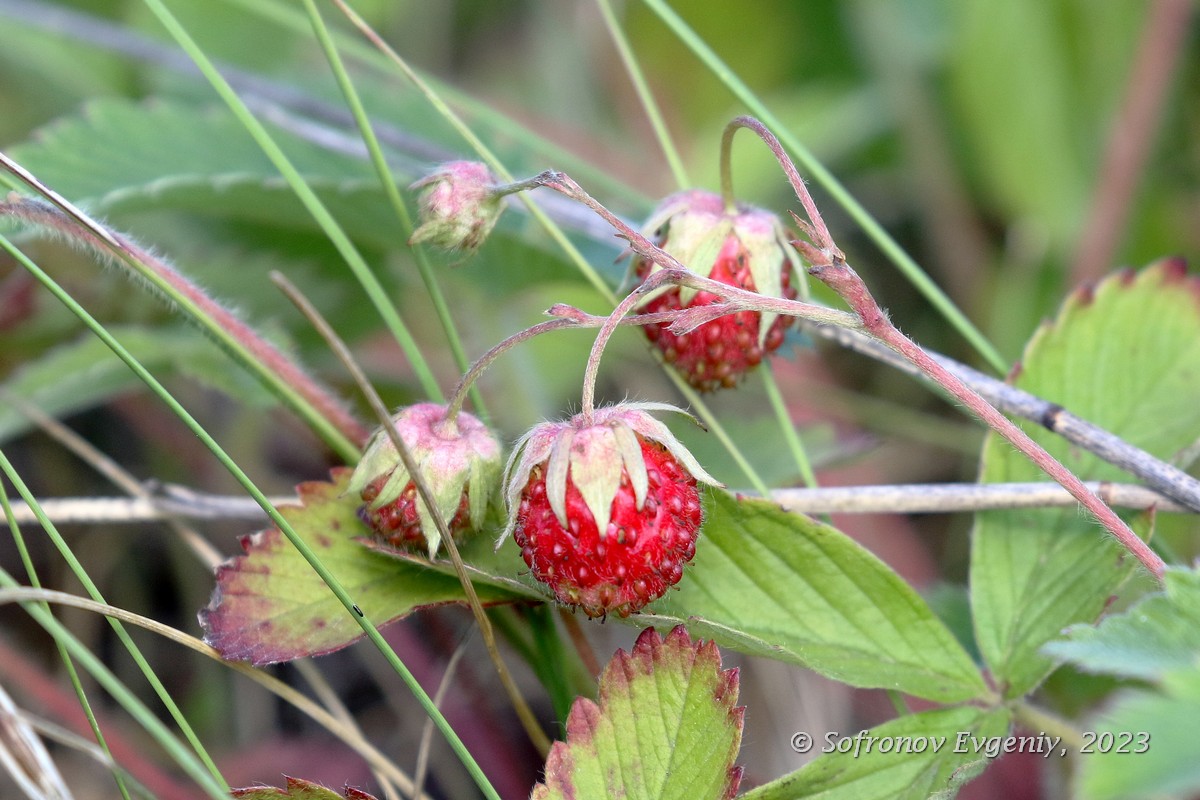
[(190, 765), (72, 673), (123, 635), (334, 585), (307, 196), (388, 181), (645, 96), (790, 434)]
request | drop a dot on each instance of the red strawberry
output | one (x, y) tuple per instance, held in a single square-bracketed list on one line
[(606, 511), (399, 523), (460, 459), (744, 247)]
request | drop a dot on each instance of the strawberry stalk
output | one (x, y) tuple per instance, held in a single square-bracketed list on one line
[(840, 277), (679, 275), (830, 267)]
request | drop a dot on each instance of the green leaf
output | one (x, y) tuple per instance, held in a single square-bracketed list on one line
[(1143, 746), (270, 606), (917, 756), (125, 157), (1158, 634), (121, 153), (1151, 752), (782, 585), (85, 373), (299, 789), (122, 156), (665, 727), (1126, 356)]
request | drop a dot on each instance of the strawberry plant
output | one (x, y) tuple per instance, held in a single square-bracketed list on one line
[(406, 515)]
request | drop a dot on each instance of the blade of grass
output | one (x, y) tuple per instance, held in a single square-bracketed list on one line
[(329, 226), (524, 712), (195, 767), (645, 96), (907, 266), (349, 735), (312, 402), (388, 181), (81, 574), (790, 434), (72, 673), (368, 627)]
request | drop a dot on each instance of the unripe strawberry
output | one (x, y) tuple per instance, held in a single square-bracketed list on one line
[(744, 247), (459, 206), (460, 460), (606, 511)]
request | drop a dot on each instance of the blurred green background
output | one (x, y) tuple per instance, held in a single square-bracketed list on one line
[(1015, 149)]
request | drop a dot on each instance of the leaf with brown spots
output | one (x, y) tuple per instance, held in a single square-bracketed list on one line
[(270, 606), (665, 727), (299, 789)]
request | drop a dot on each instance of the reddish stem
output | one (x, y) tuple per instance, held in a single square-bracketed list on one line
[(1160, 49), (485, 361), (120, 247), (817, 232), (846, 282)]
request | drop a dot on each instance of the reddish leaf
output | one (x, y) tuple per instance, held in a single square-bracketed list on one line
[(270, 606), (665, 727)]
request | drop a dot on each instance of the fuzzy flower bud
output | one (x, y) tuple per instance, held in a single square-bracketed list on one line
[(744, 247), (460, 460), (458, 207)]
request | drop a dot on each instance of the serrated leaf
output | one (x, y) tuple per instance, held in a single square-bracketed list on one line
[(1158, 634), (122, 152), (784, 586), (665, 726), (270, 606), (1151, 749), (916, 756), (85, 373), (299, 789), (121, 156), (1125, 356)]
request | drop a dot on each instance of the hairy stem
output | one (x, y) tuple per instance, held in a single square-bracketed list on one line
[(1166, 478), (846, 282), (486, 360), (815, 228), (314, 403)]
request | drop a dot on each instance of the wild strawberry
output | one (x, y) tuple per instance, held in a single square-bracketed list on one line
[(744, 247), (606, 511), (459, 206), (459, 458)]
